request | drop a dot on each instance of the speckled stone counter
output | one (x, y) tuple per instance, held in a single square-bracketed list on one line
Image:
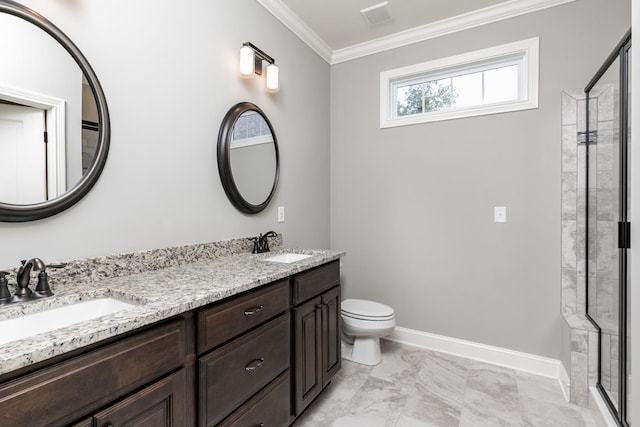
[(158, 294)]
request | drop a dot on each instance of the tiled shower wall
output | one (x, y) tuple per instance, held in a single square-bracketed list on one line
[(580, 339)]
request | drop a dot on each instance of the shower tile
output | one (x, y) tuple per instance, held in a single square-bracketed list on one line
[(569, 196), (604, 296), (581, 166), (593, 358), (579, 374), (593, 296), (569, 148), (568, 291), (605, 361), (606, 103), (605, 205), (581, 296), (579, 341), (569, 109), (604, 180), (604, 150), (582, 114), (615, 372), (604, 245), (569, 244)]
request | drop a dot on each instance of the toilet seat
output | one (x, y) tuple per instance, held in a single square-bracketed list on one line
[(367, 310)]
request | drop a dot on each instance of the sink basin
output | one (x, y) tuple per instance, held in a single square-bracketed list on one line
[(21, 327), (287, 258)]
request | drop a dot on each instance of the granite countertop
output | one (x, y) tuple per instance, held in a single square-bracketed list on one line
[(157, 295)]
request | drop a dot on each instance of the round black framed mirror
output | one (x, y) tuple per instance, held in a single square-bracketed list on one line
[(248, 158), (51, 88)]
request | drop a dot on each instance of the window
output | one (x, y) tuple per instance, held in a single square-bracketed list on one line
[(495, 80)]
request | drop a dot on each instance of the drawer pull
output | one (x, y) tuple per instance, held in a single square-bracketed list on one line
[(254, 364), (253, 310), (260, 425)]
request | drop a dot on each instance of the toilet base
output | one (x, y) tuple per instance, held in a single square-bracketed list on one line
[(364, 350)]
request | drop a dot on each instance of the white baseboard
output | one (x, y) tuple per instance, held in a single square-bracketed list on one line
[(485, 353)]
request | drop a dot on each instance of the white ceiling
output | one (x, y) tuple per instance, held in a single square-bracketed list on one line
[(338, 32), (340, 24)]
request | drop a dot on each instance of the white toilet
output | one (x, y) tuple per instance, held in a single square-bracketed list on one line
[(363, 323)]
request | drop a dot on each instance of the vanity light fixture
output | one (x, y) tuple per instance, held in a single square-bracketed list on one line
[(251, 58)]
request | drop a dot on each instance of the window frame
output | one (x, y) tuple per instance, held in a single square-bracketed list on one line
[(525, 52)]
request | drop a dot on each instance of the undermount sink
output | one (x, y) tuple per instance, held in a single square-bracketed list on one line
[(287, 258), (17, 328)]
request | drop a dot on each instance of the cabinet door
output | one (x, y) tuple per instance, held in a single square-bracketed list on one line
[(161, 404), (331, 334), (308, 353)]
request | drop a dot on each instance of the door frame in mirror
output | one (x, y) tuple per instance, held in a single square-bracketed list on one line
[(31, 212), (224, 162)]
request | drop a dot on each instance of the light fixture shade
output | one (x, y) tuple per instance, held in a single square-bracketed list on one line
[(247, 62), (273, 77)]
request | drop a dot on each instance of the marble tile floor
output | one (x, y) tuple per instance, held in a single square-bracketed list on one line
[(414, 387)]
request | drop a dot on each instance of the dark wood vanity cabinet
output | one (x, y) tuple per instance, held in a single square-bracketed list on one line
[(244, 366), (317, 338), (124, 371), (162, 404)]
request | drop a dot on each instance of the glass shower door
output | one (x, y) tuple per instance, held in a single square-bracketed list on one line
[(607, 237)]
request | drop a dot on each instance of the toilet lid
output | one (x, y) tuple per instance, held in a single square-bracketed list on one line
[(364, 309)]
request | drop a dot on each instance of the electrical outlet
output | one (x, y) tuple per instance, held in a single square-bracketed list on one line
[(500, 214), (280, 213)]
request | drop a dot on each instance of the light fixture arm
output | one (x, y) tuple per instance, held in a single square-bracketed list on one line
[(260, 56)]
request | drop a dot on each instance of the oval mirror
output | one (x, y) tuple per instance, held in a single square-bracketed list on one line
[(54, 121), (248, 159)]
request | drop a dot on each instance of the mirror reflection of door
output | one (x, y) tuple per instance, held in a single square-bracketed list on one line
[(23, 154)]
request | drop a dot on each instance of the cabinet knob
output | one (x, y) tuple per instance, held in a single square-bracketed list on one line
[(253, 310), (318, 306), (260, 425), (254, 364)]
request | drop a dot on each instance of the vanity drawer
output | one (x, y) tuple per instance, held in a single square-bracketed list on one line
[(229, 319), (270, 407), (310, 283), (236, 371), (68, 390)]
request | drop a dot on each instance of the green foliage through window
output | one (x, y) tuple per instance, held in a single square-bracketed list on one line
[(435, 95)]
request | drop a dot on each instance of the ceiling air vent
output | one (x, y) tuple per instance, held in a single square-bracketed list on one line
[(376, 14)]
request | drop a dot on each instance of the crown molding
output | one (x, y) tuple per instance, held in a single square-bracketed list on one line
[(290, 20), (487, 15)]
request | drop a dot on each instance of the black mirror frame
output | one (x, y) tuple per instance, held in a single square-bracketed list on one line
[(31, 212), (224, 164)]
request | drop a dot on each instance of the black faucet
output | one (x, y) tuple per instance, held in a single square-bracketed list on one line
[(261, 243), (24, 275), (23, 293)]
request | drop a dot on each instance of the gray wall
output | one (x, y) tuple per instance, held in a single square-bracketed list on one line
[(169, 72), (413, 206)]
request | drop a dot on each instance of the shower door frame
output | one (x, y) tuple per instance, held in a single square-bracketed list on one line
[(620, 52)]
